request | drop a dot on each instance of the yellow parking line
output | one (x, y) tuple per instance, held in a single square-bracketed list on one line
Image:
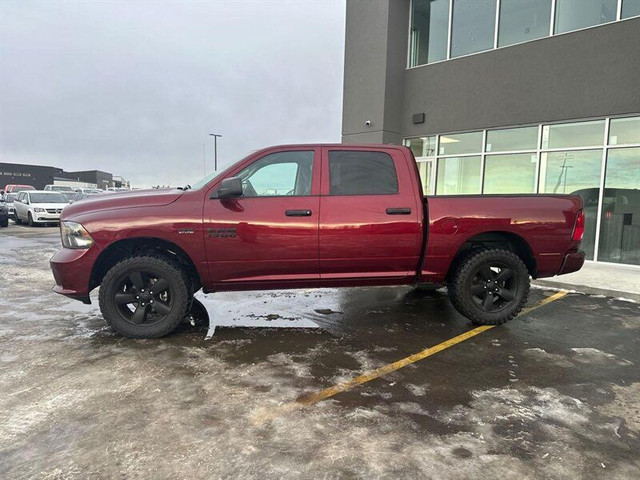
[(378, 372)]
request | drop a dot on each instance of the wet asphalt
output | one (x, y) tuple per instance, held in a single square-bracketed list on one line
[(553, 394)]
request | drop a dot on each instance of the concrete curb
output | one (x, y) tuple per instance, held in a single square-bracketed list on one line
[(634, 297)]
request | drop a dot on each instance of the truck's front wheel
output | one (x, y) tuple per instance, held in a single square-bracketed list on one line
[(144, 296), (489, 286)]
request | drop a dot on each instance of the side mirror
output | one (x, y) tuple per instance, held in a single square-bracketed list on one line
[(229, 188)]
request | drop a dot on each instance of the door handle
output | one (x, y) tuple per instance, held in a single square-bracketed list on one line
[(398, 211), (297, 213)]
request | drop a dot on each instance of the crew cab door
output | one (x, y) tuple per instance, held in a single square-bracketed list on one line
[(270, 233), (370, 218)]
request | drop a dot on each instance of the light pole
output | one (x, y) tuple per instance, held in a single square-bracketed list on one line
[(215, 150)]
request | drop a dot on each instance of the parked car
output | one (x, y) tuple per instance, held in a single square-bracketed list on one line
[(58, 188), (116, 189), (76, 197), (15, 188), (91, 191), (8, 199), (4, 213), (39, 207), (311, 216)]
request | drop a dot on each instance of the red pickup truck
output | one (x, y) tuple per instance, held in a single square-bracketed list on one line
[(300, 216)]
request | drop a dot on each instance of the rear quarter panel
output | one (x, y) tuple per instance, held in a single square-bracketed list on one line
[(544, 222)]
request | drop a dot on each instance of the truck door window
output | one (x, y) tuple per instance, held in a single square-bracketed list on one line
[(278, 174), (361, 173)]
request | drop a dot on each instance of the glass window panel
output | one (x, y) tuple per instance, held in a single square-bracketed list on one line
[(578, 173), (630, 8), (282, 173), (473, 26), (567, 135), (624, 131), (461, 143), (620, 223), (510, 173), (361, 173), (425, 169), (429, 31), (575, 14), (422, 146), (523, 20), (525, 138), (458, 175)]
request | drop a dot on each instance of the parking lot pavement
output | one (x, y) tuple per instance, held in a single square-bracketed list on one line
[(553, 394)]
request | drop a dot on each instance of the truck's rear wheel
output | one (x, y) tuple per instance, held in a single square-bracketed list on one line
[(489, 286), (145, 296)]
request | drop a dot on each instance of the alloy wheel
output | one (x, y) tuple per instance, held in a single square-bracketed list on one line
[(494, 287), (143, 298)]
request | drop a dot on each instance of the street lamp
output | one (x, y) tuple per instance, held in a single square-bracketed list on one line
[(215, 150)]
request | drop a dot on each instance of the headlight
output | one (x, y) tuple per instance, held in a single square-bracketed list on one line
[(39, 210), (74, 235)]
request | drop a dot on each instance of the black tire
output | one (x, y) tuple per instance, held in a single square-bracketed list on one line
[(131, 307), (30, 220), (18, 221), (489, 286)]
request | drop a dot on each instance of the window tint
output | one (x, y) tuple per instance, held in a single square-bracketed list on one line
[(525, 138), (575, 172), (429, 31), (523, 20), (567, 135), (458, 175), (422, 146), (514, 173), (575, 14), (473, 26), (361, 173), (460, 143), (624, 130), (630, 8), (282, 173), (620, 227)]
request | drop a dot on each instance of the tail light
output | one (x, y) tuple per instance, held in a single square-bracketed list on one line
[(578, 228)]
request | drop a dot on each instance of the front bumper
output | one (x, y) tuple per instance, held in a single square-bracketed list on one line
[(72, 271), (572, 262), (45, 217)]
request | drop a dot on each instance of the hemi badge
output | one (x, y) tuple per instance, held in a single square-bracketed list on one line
[(186, 230)]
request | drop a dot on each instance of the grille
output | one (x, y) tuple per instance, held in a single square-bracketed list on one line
[(54, 210)]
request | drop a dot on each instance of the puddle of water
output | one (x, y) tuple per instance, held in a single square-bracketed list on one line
[(258, 311)]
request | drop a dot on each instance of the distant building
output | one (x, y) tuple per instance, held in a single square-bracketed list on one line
[(102, 180), (120, 182), (35, 175), (40, 175)]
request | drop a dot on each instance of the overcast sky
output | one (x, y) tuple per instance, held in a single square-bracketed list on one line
[(133, 88)]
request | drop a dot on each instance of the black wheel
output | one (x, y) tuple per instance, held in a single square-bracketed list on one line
[(18, 221), (4, 222), (145, 296), (489, 286), (30, 220)]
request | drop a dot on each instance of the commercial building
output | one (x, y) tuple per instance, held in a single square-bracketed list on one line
[(35, 175), (507, 96), (40, 175), (102, 180)]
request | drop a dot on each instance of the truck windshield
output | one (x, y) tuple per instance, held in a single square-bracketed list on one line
[(201, 183), (52, 197)]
